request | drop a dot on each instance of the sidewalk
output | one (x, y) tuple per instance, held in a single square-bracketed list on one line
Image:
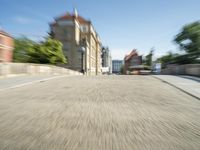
[(188, 84), (17, 81)]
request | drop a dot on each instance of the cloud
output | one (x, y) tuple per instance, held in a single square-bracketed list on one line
[(23, 20)]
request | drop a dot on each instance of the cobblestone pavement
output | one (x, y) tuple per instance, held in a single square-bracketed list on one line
[(99, 113)]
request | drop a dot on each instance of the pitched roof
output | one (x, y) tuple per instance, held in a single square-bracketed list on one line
[(4, 33), (133, 53), (69, 16), (83, 21)]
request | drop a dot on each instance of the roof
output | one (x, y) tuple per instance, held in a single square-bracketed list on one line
[(133, 53), (69, 16), (4, 33)]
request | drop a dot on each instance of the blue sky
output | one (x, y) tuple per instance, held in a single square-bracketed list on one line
[(121, 24)]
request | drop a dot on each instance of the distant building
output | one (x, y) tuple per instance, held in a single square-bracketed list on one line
[(81, 43), (106, 61), (156, 67), (117, 66), (6, 47), (132, 63)]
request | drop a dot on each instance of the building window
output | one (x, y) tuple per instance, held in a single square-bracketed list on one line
[(135, 61), (66, 34), (84, 28)]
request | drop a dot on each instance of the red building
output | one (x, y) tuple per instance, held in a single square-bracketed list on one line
[(6, 47), (132, 63)]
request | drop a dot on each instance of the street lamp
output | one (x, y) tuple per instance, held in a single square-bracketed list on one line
[(82, 50)]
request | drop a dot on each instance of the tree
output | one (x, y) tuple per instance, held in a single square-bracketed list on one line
[(148, 58), (22, 47), (122, 69), (47, 52), (167, 59), (189, 42), (54, 51)]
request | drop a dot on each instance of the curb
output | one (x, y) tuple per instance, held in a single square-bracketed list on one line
[(186, 92)]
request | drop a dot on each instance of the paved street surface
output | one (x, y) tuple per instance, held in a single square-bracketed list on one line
[(188, 84), (9, 82), (99, 113)]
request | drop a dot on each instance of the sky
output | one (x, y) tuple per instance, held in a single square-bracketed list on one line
[(122, 25)]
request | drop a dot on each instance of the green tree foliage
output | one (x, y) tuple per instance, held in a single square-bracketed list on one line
[(148, 58), (21, 51), (47, 52), (189, 42), (122, 69), (167, 59)]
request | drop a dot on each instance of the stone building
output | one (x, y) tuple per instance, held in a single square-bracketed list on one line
[(106, 61), (6, 47), (81, 43)]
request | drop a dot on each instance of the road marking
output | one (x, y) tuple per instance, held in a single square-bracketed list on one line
[(32, 82)]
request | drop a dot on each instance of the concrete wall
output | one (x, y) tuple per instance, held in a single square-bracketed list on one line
[(190, 69), (27, 68)]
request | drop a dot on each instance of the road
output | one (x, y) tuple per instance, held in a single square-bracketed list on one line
[(99, 113)]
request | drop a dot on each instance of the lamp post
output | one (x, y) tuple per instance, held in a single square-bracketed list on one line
[(82, 50)]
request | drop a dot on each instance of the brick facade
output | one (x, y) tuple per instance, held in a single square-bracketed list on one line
[(132, 60), (6, 47)]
